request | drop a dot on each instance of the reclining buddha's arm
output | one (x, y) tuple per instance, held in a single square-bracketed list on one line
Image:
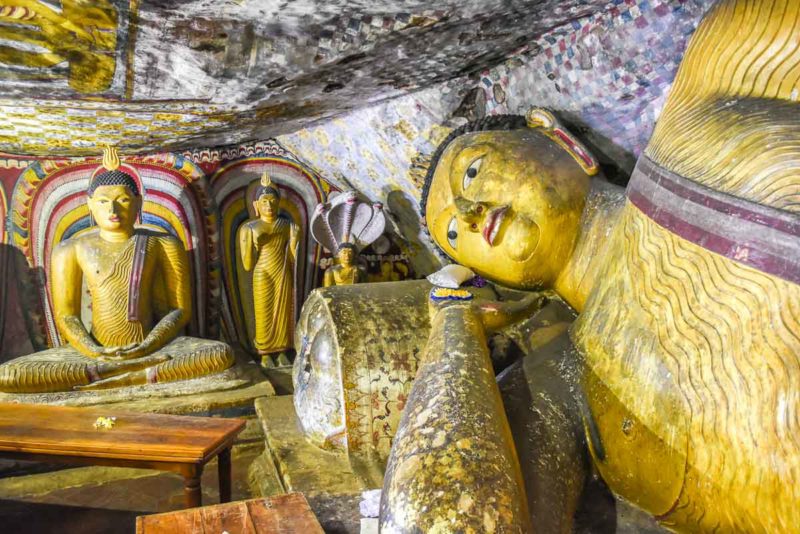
[(453, 449), (65, 284)]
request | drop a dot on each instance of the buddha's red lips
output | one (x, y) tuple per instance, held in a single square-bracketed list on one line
[(492, 225)]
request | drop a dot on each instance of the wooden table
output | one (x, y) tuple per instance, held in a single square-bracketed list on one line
[(180, 444), (281, 514)]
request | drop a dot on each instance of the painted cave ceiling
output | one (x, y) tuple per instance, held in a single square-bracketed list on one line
[(152, 76)]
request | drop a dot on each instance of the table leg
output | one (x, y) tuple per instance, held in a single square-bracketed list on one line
[(192, 491), (224, 465)]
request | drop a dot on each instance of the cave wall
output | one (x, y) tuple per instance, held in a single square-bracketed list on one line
[(167, 75)]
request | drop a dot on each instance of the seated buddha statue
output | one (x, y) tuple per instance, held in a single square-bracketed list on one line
[(140, 301), (345, 225), (347, 271), (679, 381)]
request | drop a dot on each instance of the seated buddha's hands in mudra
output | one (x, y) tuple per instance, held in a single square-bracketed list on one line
[(117, 353), (122, 372), (157, 338), (127, 352)]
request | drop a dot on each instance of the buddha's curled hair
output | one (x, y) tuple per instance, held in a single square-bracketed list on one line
[(115, 177), (268, 190), (493, 122), (266, 187)]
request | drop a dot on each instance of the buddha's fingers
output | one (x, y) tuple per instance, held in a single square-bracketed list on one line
[(496, 315)]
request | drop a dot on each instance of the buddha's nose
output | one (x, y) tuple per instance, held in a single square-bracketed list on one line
[(471, 212)]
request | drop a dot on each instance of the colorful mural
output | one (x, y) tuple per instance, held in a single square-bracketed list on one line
[(66, 48), (166, 76)]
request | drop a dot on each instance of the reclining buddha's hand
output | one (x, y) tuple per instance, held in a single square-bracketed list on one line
[(494, 314)]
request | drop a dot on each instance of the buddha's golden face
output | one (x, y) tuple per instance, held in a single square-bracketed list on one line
[(346, 256), (114, 207), (507, 204), (267, 206)]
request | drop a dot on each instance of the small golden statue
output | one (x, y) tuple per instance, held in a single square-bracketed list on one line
[(348, 271), (268, 248), (345, 226), (139, 284)]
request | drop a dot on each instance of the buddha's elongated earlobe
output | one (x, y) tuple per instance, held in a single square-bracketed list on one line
[(552, 128)]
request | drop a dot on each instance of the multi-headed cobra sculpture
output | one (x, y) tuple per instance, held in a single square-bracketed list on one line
[(345, 226)]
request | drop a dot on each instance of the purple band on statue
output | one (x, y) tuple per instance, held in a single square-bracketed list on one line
[(152, 375), (139, 253), (762, 237), (92, 374)]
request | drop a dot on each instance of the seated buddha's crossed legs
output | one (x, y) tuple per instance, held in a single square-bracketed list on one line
[(64, 369)]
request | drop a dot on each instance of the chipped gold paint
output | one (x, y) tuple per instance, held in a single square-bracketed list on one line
[(406, 129), (453, 466), (717, 340)]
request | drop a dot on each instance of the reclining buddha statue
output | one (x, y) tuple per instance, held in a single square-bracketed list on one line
[(140, 301), (679, 382)]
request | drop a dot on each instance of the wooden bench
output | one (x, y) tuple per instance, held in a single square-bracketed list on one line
[(281, 514), (180, 444)]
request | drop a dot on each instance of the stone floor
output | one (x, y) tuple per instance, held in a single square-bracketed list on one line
[(108, 500)]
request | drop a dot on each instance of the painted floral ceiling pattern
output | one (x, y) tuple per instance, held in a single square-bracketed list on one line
[(169, 75)]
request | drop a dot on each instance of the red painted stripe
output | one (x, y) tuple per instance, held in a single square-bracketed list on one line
[(698, 196), (753, 257)]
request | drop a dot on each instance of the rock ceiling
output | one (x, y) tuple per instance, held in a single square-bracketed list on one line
[(151, 76)]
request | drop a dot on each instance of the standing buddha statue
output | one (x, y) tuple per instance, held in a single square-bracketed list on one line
[(140, 298), (344, 225), (268, 248)]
